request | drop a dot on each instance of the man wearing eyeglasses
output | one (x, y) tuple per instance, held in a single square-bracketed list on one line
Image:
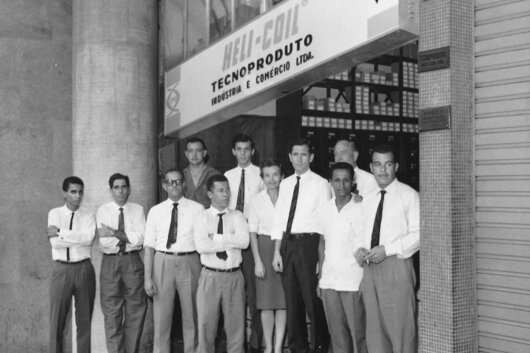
[(172, 263)]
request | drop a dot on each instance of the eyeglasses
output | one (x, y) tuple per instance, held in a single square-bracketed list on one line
[(176, 182)]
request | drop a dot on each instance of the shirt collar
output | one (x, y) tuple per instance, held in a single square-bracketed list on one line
[(247, 168), (348, 204), (305, 175), (214, 211), (170, 202), (117, 207), (391, 188), (69, 211)]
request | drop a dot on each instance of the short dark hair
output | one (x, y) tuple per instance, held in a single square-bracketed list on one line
[(171, 170), (383, 149), (195, 140), (242, 138), (118, 176), (342, 166), (72, 180), (216, 178), (269, 162), (301, 141)]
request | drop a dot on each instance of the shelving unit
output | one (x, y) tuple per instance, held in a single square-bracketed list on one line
[(373, 103)]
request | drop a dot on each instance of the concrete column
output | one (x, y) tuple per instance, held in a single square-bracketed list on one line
[(35, 156), (115, 62), (447, 318)]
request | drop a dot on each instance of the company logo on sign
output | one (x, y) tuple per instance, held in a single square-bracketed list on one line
[(276, 52), (173, 98)]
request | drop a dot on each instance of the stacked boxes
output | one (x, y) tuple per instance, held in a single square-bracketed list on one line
[(326, 122), (341, 76), (378, 78), (362, 100), (308, 102), (373, 125), (411, 104), (410, 75)]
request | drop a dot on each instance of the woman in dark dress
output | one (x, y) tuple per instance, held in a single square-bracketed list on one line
[(270, 297)]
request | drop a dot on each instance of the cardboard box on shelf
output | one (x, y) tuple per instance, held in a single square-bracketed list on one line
[(308, 102)]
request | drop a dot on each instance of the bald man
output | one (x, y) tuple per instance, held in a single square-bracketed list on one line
[(346, 151)]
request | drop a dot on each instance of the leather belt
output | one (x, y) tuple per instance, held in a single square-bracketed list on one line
[(178, 253), (72, 262), (233, 269), (301, 235), (124, 253)]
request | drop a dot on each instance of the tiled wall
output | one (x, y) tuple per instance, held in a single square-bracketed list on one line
[(447, 293)]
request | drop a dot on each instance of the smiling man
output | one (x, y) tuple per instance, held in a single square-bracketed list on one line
[(121, 226), (340, 223), (245, 182), (391, 235), (296, 234), (71, 231), (346, 151)]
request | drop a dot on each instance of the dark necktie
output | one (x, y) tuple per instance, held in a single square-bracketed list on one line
[(241, 193), (121, 228), (68, 249), (377, 222), (221, 254), (292, 209), (173, 226)]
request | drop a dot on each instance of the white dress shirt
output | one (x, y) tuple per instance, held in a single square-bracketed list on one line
[(342, 235), (133, 221), (253, 185), (314, 191), (261, 214), (400, 224), (158, 222), (79, 239), (234, 238), (365, 181)]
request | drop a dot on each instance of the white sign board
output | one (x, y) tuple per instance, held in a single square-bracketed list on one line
[(293, 38)]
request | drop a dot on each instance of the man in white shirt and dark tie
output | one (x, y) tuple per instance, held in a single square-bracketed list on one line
[(172, 263), (346, 151), (71, 231), (296, 232), (220, 235), (245, 182), (391, 235), (121, 226)]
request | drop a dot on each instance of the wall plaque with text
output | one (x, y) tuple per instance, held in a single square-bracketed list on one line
[(437, 118), (434, 59)]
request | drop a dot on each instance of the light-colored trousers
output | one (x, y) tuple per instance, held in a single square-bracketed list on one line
[(346, 320), (173, 273), (388, 294), (221, 291)]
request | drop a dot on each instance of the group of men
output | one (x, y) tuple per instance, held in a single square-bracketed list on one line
[(357, 245)]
